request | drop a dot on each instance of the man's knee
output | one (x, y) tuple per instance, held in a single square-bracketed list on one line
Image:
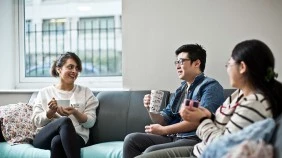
[(132, 137)]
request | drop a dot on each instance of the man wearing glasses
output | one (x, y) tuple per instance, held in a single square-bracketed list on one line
[(169, 129)]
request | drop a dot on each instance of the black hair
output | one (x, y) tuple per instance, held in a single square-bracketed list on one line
[(195, 52), (260, 70), (62, 60)]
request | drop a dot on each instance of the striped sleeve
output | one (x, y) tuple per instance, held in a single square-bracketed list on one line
[(232, 118), (207, 131), (248, 112)]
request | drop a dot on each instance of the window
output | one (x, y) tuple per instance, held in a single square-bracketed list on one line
[(97, 37), (28, 26), (78, 27), (53, 26)]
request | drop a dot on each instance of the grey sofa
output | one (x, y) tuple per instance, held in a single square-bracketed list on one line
[(119, 113)]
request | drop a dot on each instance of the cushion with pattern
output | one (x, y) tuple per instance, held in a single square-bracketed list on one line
[(16, 124)]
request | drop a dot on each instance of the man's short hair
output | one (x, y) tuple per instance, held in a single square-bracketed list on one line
[(195, 52)]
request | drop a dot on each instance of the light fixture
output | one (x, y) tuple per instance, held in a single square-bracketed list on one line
[(84, 8), (58, 20)]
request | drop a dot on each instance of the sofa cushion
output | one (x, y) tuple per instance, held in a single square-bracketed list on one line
[(22, 151), (16, 125), (120, 113), (228, 92), (102, 150)]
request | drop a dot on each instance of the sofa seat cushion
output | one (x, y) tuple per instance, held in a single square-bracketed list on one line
[(22, 151), (102, 150)]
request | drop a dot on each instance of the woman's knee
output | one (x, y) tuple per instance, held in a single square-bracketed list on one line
[(157, 147), (65, 120), (151, 148)]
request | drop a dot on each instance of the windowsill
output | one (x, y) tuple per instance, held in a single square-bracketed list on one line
[(7, 91), (94, 83)]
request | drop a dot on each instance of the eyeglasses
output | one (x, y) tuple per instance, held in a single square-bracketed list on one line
[(181, 61), (229, 64)]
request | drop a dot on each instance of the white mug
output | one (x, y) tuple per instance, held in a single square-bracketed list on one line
[(63, 103), (156, 101)]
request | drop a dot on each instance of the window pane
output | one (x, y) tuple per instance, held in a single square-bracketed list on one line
[(28, 26), (55, 28)]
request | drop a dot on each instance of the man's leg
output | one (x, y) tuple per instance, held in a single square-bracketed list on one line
[(186, 151), (191, 141), (136, 143)]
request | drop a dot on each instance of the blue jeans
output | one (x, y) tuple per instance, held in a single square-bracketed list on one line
[(60, 137)]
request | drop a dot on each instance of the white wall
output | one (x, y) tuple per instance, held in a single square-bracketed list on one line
[(7, 45), (154, 29), (14, 97)]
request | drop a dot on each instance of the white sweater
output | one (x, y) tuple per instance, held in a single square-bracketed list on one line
[(236, 113), (80, 95)]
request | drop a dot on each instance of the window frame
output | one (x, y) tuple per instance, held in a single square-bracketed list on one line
[(22, 82)]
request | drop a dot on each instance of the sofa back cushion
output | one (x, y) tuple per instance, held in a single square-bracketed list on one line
[(228, 92), (15, 122), (120, 113)]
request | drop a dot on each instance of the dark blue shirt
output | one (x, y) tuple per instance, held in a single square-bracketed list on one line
[(206, 90)]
